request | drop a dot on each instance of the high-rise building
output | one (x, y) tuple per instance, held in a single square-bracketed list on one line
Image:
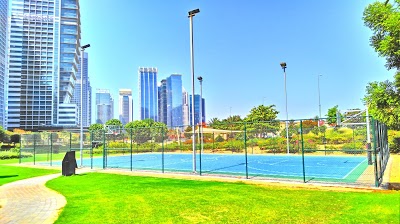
[(44, 40), (86, 106), (197, 109), (148, 93), (104, 106), (174, 101), (3, 57), (185, 108), (125, 105), (162, 102)]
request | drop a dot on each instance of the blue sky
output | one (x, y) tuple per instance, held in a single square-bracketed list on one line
[(238, 47)]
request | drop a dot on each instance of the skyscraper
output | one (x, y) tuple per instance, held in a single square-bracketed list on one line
[(86, 106), (197, 109), (125, 105), (3, 58), (185, 108), (174, 101), (148, 93), (104, 106), (162, 102), (43, 62)]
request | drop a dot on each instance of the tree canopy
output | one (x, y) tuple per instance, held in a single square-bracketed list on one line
[(383, 18), (115, 122), (383, 102)]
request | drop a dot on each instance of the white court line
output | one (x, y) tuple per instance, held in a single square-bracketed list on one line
[(353, 169)]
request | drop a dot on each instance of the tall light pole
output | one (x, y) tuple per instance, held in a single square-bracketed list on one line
[(201, 112), (191, 15), (81, 107), (283, 65), (319, 101)]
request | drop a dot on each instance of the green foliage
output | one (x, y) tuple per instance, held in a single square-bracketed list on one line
[(147, 129), (13, 154), (95, 127), (219, 138), (394, 141), (2, 134), (384, 103), (384, 21), (332, 115), (114, 122), (188, 132)]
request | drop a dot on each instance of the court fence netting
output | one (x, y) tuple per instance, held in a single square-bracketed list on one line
[(354, 152)]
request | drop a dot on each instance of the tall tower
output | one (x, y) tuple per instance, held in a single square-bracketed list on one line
[(86, 106), (125, 105), (148, 93), (174, 101), (3, 57), (162, 102), (43, 63), (104, 106), (185, 108), (197, 101)]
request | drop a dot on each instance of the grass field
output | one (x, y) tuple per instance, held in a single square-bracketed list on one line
[(111, 198)]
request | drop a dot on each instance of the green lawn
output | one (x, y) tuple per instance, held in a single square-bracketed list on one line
[(12, 173), (109, 198)]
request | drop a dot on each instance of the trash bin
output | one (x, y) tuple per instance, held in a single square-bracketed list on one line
[(69, 164)]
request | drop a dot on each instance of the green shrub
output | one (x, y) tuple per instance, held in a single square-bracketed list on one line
[(13, 155)]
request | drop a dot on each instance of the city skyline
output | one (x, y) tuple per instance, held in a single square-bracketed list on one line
[(3, 49), (313, 40)]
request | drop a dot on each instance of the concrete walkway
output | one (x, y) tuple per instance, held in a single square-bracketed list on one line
[(29, 201)]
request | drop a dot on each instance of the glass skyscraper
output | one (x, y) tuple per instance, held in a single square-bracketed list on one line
[(44, 46), (125, 105), (148, 93), (87, 105), (197, 109), (174, 101), (104, 106), (162, 102), (3, 58)]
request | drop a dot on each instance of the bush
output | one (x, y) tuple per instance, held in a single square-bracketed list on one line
[(13, 155)]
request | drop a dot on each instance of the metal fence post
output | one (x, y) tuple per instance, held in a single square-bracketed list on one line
[(374, 131), (162, 148), (20, 148), (104, 149), (70, 141), (131, 132), (245, 150), (34, 149), (302, 150), (91, 149), (51, 149)]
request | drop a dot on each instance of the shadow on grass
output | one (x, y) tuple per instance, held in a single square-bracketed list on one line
[(7, 176)]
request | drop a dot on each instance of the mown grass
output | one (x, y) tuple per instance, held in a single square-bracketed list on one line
[(12, 173), (110, 198)]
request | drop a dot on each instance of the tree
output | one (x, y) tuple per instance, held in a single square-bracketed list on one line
[(188, 132), (262, 119), (332, 115), (384, 21), (114, 122), (2, 134), (145, 130), (96, 130), (383, 103)]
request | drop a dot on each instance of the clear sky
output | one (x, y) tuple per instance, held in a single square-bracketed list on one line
[(238, 47)]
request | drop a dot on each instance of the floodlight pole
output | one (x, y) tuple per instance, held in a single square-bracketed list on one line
[(81, 107), (191, 14), (201, 112), (283, 65)]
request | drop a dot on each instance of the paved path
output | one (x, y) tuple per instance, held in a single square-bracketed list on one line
[(29, 201)]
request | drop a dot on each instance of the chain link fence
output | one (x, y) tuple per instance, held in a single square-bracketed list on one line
[(310, 150)]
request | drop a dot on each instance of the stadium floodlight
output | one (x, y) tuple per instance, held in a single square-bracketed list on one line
[(283, 65), (191, 14), (81, 107)]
